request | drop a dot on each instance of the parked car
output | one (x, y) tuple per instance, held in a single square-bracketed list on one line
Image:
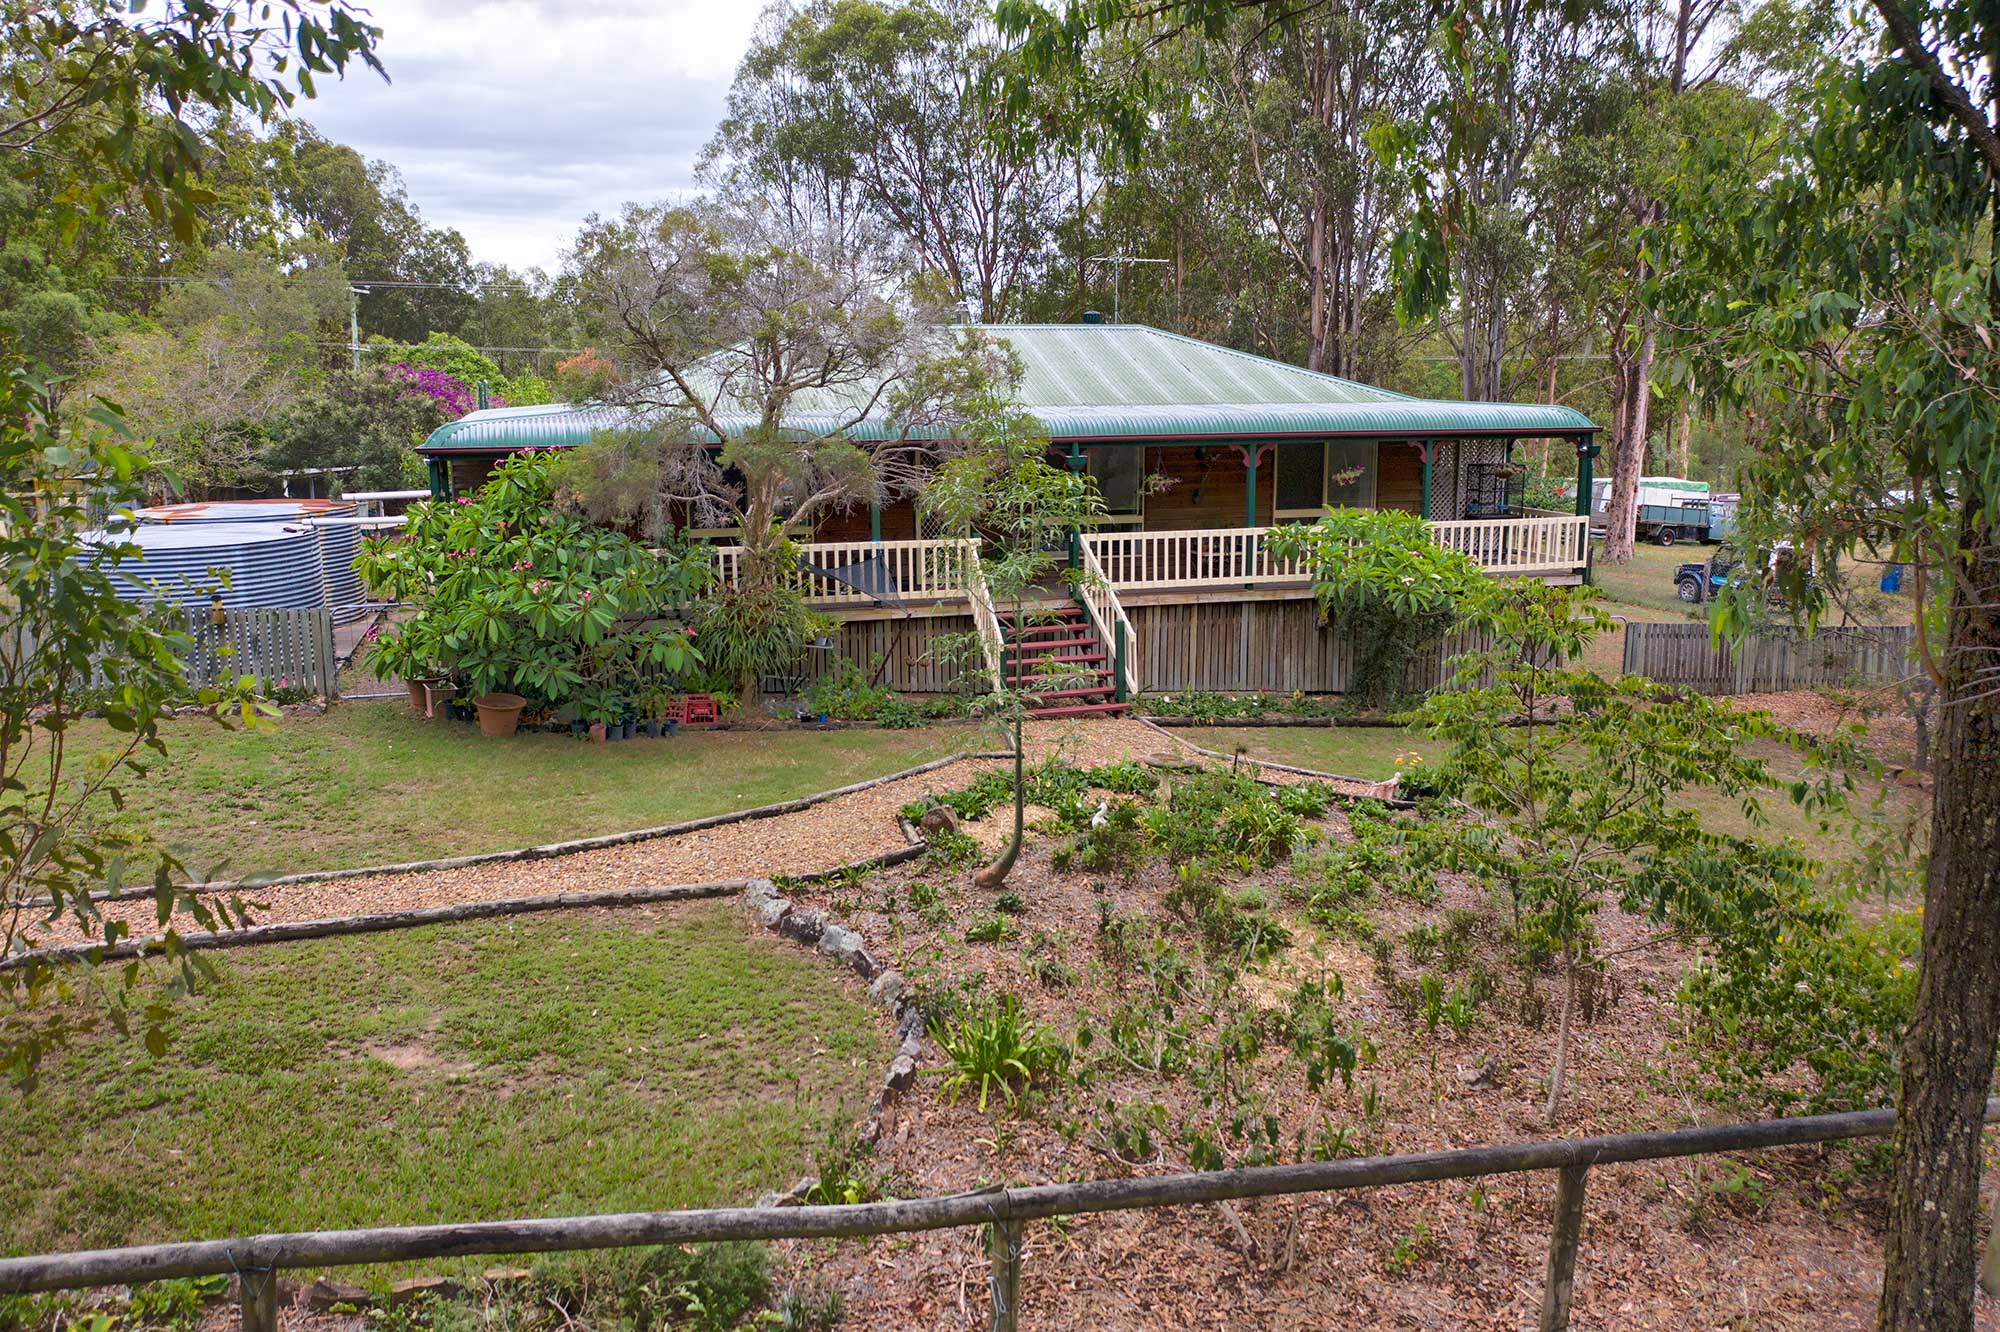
[(1697, 583)]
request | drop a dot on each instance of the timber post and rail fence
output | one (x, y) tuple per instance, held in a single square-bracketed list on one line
[(257, 1259)]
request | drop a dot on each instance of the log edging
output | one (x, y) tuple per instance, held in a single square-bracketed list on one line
[(1376, 795)]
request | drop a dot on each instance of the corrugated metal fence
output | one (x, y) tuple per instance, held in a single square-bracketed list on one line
[(279, 647), (1768, 661)]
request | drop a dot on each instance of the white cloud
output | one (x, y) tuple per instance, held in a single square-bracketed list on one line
[(513, 119)]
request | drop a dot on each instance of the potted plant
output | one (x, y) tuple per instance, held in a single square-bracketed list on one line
[(652, 704), (499, 713)]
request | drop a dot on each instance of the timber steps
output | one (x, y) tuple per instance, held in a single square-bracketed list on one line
[(1063, 645)]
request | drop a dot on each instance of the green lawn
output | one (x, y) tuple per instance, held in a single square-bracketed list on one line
[(580, 1063), (373, 782), (1648, 581)]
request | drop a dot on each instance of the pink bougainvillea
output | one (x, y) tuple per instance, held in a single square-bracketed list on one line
[(448, 391)]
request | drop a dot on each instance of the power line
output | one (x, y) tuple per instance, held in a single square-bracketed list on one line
[(473, 286)]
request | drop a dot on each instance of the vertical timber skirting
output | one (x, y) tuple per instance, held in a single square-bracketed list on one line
[(1565, 1232), (1003, 1245)]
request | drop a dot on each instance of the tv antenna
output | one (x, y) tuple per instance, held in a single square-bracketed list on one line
[(1118, 263)]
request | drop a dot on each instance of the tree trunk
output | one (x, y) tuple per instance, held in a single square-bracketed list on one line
[(1948, 1052), (1561, 1066), (1684, 436), (1621, 514)]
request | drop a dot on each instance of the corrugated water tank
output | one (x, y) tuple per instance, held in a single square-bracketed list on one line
[(277, 554)]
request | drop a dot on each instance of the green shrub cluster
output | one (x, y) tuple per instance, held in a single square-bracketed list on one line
[(1215, 709), (1052, 783), (996, 1052)]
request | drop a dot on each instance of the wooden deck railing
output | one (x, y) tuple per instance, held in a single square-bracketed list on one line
[(936, 569), (992, 647), (257, 1259), (1518, 545), (1114, 628), (922, 570), (1240, 556), (1212, 557)]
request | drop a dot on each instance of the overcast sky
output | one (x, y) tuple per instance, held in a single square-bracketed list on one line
[(513, 119)]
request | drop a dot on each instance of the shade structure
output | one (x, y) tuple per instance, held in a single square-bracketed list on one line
[(870, 576)]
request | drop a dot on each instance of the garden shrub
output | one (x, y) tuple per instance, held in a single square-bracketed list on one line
[(846, 693), (515, 595), (1379, 576), (1210, 709), (899, 715), (998, 1052), (1113, 845), (747, 633), (1806, 1008)]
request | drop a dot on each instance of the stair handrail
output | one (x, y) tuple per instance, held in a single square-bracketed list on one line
[(1107, 616), (992, 646)]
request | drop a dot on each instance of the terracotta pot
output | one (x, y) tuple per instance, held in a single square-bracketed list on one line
[(597, 732), (416, 688), (499, 714)]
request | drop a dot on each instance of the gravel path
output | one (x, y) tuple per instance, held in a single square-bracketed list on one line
[(837, 832)]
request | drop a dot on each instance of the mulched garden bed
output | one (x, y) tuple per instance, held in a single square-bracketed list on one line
[(1784, 1239)]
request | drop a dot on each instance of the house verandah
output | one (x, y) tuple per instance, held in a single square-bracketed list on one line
[(1198, 451)]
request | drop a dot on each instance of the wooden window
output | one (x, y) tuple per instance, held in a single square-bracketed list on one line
[(1119, 470), (1301, 480)]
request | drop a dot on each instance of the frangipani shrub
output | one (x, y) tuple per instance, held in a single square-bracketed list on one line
[(515, 594), (1379, 576)]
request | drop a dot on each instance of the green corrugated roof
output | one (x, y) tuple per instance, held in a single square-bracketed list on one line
[(1106, 382)]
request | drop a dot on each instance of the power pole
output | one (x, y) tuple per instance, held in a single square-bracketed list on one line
[(354, 295), (1118, 263)]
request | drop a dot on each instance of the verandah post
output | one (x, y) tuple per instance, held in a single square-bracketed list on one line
[(1565, 1233), (1426, 449), (1586, 454), (1078, 465)]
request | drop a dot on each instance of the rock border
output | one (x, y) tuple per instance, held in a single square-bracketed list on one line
[(810, 928)]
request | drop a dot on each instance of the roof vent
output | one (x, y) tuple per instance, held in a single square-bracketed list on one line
[(1093, 316)]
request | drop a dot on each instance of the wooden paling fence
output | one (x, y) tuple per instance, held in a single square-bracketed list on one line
[(1767, 661), (1005, 1211)]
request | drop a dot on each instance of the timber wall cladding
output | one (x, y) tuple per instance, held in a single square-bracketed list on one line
[(1275, 646), (917, 652)]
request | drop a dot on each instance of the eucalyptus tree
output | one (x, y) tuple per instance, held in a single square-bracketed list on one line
[(1262, 152), (86, 81), (1848, 297), (848, 109)]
